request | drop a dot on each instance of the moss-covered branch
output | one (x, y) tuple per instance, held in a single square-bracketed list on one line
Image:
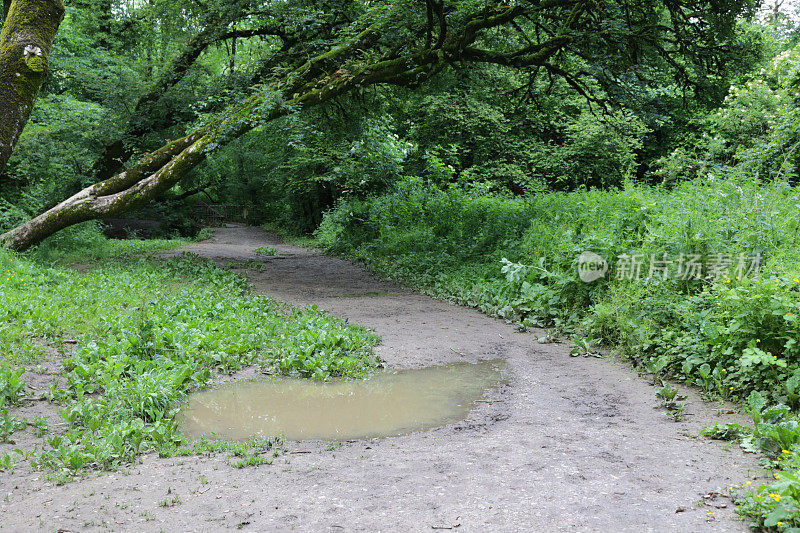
[(328, 75), (535, 55), (87, 205), (25, 43)]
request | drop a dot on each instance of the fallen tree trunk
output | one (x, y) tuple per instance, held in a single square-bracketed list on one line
[(25, 42)]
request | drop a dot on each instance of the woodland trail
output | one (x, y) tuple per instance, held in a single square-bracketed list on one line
[(567, 444)]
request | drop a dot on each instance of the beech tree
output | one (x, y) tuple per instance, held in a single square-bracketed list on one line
[(590, 45)]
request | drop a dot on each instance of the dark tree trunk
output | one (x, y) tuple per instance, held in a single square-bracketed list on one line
[(25, 43), (104, 23), (232, 61), (113, 158)]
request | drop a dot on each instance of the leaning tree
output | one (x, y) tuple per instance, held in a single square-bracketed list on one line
[(590, 44)]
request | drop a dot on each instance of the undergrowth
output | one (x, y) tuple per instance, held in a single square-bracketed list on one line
[(146, 332), (775, 433), (731, 334)]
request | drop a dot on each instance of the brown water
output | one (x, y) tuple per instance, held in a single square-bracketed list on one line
[(389, 403)]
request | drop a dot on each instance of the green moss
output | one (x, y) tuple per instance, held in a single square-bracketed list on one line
[(38, 18), (37, 64), (25, 42)]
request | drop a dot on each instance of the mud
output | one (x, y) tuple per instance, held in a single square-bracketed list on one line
[(390, 403), (567, 444)]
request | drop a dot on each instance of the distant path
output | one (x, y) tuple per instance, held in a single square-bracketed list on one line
[(570, 444)]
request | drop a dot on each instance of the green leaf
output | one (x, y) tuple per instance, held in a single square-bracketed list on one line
[(778, 514)]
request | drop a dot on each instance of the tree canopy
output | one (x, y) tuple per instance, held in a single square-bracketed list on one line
[(518, 94)]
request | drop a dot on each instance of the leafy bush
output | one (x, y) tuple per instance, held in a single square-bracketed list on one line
[(516, 258), (775, 433)]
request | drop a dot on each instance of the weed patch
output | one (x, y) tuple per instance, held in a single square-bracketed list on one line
[(147, 332), (266, 250)]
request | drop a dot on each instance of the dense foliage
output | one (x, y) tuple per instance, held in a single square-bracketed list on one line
[(473, 149)]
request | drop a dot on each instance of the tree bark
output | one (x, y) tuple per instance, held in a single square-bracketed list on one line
[(25, 43)]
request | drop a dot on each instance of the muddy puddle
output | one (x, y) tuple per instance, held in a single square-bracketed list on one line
[(390, 403)]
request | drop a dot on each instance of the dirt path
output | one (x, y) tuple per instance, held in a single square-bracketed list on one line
[(568, 444)]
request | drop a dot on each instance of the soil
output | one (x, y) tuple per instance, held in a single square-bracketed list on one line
[(572, 444)]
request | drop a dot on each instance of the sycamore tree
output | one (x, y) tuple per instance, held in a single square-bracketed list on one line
[(602, 49)]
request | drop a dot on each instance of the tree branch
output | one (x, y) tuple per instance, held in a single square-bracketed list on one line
[(192, 192), (530, 56), (580, 89), (429, 24), (438, 8), (275, 31)]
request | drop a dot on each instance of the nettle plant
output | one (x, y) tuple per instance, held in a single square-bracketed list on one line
[(731, 338), (751, 328), (542, 295)]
